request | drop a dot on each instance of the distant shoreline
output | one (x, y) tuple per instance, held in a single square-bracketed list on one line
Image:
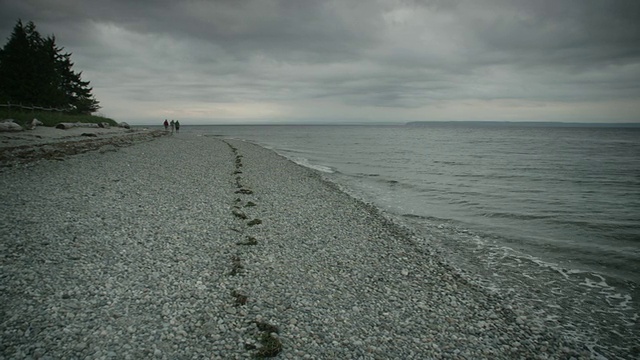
[(629, 125), (524, 124)]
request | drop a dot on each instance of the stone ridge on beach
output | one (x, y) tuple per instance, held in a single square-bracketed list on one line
[(51, 143), (196, 247)]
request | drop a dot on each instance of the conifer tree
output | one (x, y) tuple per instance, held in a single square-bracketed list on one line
[(75, 92), (17, 67), (34, 71)]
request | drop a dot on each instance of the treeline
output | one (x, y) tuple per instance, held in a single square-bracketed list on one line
[(34, 71)]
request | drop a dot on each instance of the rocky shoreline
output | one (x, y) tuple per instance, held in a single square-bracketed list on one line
[(198, 247), (55, 144)]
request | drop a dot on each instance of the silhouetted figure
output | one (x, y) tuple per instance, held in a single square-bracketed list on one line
[(173, 125), (177, 126), (166, 125)]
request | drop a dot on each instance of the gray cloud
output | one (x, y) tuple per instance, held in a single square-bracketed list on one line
[(350, 59)]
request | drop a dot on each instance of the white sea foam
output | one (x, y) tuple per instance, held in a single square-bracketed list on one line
[(305, 162), (595, 284)]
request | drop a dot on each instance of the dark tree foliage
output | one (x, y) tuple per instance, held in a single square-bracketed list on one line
[(35, 71)]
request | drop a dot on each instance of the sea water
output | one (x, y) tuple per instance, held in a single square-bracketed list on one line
[(547, 217)]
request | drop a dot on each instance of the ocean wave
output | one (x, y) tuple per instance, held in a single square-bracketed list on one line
[(306, 163), (578, 303)]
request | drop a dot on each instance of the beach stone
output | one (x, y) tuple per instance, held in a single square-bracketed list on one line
[(9, 125), (33, 123)]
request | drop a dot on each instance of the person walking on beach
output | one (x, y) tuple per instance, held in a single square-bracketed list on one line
[(173, 125), (166, 125), (177, 126)]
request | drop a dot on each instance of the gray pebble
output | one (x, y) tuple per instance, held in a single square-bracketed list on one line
[(129, 255)]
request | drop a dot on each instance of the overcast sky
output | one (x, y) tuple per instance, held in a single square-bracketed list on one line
[(237, 61)]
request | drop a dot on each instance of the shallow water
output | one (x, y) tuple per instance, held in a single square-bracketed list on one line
[(544, 216)]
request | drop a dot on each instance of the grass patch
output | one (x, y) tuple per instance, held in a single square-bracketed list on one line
[(250, 241), (236, 265), (244, 191), (230, 146), (250, 204), (271, 345), (266, 327), (239, 214), (50, 118), (240, 299)]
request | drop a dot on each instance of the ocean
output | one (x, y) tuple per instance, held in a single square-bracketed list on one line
[(546, 217)]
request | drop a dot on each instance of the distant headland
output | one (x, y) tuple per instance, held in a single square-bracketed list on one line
[(523, 124)]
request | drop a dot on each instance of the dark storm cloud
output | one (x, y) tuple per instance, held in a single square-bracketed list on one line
[(368, 54), (576, 33), (287, 29)]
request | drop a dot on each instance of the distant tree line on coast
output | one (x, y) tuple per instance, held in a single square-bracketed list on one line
[(35, 72)]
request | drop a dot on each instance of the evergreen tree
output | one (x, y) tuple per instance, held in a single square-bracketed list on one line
[(17, 67), (76, 93), (33, 71), (47, 77)]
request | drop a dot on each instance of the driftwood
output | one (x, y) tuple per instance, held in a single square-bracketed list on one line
[(66, 126), (32, 125), (9, 125)]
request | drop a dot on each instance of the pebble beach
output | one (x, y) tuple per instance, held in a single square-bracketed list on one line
[(200, 247)]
